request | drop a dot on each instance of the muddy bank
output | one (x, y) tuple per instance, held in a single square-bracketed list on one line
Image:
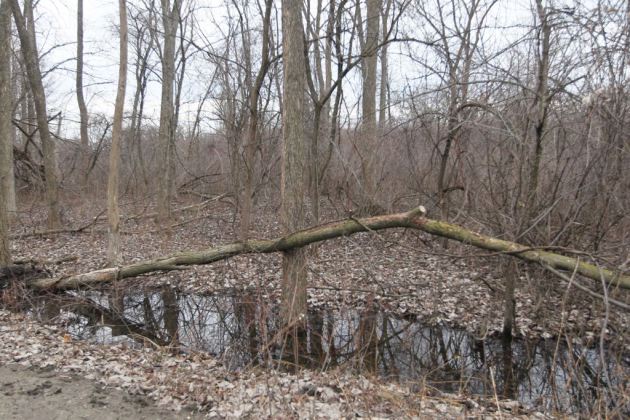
[(36, 393)]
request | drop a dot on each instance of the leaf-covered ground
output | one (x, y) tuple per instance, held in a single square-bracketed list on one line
[(197, 385), (404, 272)]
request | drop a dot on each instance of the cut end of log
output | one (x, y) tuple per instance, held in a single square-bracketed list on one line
[(418, 211)]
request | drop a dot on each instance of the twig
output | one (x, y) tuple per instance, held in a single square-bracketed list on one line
[(586, 289), (496, 396), (58, 231)]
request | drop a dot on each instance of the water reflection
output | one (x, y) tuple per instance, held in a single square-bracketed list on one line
[(242, 329)]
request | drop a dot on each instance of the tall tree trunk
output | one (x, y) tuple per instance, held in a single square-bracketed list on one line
[(541, 105), (293, 184), (368, 124), (31, 59), (7, 134), (83, 113), (252, 130), (384, 88), (170, 17), (6, 137), (113, 213)]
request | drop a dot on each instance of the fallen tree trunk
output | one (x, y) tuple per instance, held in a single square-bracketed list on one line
[(413, 219)]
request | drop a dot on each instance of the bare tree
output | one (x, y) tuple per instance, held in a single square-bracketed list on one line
[(170, 20), (369, 134), (293, 184), (319, 80), (384, 81), (142, 41), (31, 59), (113, 213), (459, 26), (252, 128), (6, 138), (541, 100), (83, 112)]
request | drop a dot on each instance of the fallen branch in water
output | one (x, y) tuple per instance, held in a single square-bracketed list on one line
[(414, 219)]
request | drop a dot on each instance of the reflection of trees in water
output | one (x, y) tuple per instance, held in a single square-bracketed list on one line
[(242, 329)]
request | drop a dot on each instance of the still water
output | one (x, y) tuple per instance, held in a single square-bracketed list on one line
[(243, 330)]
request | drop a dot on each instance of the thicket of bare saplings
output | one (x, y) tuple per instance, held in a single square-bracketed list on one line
[(499, 124)]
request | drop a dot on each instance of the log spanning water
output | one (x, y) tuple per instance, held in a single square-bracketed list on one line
[(414, 219)]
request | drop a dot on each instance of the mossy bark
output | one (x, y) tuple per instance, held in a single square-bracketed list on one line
[(414, 219)]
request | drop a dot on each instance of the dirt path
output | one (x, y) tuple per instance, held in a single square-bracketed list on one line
[(44, 394)]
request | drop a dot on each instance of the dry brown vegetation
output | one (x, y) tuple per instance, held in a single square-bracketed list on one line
[(517, 130)]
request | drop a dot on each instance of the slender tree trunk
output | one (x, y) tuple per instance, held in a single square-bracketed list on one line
[(6, 144), (541, 104), (252, 130), (314, 163), (113, 213), (29, 52), (7, 134), (510, 274), (368, 125), (141, 71), (83, 113), (170, 17), (294, 170), (383, 97)]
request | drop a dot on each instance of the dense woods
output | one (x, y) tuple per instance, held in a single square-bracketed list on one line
[(506, 122)]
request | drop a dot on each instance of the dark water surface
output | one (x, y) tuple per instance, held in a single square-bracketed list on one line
[(242, 330)]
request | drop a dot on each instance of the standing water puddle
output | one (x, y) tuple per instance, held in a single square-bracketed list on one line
[(242, 331)]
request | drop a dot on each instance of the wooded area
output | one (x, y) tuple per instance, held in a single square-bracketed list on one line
[(508, 121)]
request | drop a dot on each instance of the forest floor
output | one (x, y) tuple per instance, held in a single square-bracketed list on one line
[(74, 379), (405, 273)]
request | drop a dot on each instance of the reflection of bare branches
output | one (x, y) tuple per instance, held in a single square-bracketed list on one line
[(97, 313), (242, 329)]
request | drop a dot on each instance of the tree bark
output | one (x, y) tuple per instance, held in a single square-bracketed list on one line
[(294, 170), (413, 219), (6, 137), (113, 212), (83, 113), (541, 105), (368, 124), (384, 82), (252, 129), (510, 274), (170, 18), (29, 52)]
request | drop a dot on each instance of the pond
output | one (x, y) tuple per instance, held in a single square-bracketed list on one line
[(242, 329)]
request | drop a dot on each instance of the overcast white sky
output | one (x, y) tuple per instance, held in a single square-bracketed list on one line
[(56, 25)]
